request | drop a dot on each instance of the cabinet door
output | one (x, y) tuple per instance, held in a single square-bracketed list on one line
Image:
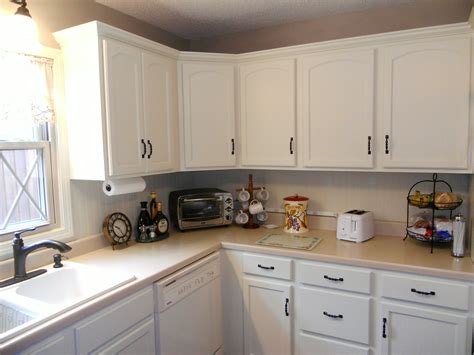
[(412, 330), (267, 322), (140, 339), (337, 109), (267, 113), (426, 104), (208, 115), (124, 108), (160, 112)]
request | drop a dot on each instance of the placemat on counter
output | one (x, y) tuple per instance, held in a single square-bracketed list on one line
[(289, 241)]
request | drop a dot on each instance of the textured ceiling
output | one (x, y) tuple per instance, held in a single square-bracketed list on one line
[(194, 19)]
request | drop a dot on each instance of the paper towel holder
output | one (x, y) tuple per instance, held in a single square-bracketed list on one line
[(123, 186)]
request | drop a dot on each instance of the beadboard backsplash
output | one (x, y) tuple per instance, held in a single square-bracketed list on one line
[(382, 193)]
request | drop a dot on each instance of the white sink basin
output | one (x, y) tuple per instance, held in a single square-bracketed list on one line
[(70, 284), (34, 301)]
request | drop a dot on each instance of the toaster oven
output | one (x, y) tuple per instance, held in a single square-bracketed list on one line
[(200, 208)]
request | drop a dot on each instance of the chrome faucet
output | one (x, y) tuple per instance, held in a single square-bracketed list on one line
[(20, 252)]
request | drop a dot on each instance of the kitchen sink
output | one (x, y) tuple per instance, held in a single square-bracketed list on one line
[(70, 284), (31, 302)]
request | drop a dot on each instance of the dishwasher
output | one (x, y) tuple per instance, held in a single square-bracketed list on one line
[(189, 309)]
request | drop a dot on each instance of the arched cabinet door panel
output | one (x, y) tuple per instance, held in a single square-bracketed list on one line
[(337, 107), (426, 104)]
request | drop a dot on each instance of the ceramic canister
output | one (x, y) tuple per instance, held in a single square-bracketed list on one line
[(296, 220)]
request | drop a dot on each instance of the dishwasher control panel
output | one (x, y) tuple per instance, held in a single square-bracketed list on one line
[(172, 289)]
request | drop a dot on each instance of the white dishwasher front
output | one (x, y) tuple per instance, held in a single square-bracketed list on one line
[(189, 309)]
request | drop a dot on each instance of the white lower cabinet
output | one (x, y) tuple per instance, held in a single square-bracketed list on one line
[(126, 327), (59, 343), (308, 344), (267, 317), (423, 315), (119, 329), (416, 330)]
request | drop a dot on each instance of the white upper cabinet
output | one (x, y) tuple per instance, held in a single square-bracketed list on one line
[(123, 108), (121, 103), (425, 92), (208, 115), (337, 102), (267, 113), (160, 111)]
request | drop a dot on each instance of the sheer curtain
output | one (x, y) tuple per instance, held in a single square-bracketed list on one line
[(26, 100)]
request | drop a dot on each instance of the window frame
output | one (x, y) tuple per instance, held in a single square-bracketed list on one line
[(62, 228)]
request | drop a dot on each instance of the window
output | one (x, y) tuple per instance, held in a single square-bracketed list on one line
[(34, 189)]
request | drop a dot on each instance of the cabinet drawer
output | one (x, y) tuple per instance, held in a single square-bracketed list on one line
[(99, 329), (424, 290), (309, 345), (269, 266), (333, 276), (333, 314)]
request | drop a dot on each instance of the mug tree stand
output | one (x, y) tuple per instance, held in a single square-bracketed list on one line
[(250, 224)]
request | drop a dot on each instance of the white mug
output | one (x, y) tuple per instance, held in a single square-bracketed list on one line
[(243, 195), (241, 217), (255, 207), (262, 216), (262, 194)]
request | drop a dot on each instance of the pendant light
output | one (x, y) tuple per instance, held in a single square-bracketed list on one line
[(19, 32)]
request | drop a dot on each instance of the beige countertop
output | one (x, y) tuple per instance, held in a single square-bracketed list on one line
[(151, 262)]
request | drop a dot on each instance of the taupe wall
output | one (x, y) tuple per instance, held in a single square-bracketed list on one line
[(421, 14), (55, 15)]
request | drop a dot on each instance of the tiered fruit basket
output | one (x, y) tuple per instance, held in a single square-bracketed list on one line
[(434, 202)]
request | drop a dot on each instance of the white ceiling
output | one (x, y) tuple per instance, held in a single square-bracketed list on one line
[(194, 19)]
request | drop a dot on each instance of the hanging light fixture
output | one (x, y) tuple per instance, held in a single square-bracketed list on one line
[(19, 31)]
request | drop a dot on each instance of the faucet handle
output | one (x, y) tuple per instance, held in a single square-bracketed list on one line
[(19, 233)]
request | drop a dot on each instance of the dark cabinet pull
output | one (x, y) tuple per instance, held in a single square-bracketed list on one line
[(384, 327), (266, 267), (369, 148), (340, 279), (151, 149), (286, 307), (386, 144), (291, 145), (431, 293), (144, 149), (339, 316), (233, 146)]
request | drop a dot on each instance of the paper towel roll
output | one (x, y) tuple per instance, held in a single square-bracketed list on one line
[(123, 186)]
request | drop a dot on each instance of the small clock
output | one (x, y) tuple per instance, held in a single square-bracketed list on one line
[(117, 228)]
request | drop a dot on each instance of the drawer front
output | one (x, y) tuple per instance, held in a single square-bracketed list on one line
[(105, 325), (333, 314), (309, 345), (423, 290), (333, 276), (269, 266)]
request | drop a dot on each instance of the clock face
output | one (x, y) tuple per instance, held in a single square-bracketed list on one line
[(117, 228)]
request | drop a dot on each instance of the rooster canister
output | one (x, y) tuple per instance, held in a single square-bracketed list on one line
[(296, 220)]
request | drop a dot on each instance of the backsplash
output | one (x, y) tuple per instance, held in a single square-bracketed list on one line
[(382, 193)]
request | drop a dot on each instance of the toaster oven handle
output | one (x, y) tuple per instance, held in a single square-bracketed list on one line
[(199, 199)]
